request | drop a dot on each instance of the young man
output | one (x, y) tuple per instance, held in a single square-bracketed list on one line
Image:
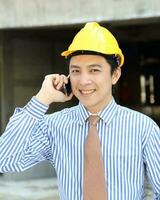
[(94, 160)]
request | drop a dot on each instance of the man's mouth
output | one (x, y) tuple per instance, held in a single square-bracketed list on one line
[(87, 92)]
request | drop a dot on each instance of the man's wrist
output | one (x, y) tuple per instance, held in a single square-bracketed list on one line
[(43, 99)]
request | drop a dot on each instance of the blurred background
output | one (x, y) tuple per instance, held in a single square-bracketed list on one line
[(33, 33)]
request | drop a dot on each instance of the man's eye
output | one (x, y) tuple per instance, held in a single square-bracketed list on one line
[(95, 70), (75, 71)]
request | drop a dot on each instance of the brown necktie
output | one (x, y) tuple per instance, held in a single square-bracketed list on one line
[(94, 177)]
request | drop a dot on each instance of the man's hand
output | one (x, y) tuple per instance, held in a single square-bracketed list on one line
[(51, 89)]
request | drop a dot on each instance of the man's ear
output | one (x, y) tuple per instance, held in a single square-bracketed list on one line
[(116, 75)]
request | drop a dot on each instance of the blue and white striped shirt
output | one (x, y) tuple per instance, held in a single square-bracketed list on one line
[(128, 139)]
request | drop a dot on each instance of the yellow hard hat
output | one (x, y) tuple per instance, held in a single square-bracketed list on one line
[(94, 37)]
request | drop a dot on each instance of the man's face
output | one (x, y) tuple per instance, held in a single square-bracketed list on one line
[(92, 81)]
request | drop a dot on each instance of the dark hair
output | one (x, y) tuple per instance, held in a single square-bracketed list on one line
[(112, 59)]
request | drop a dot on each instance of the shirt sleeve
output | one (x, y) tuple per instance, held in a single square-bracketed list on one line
[(152, 159), (25, 141)]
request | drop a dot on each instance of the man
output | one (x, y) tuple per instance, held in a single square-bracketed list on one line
[(93, 159)]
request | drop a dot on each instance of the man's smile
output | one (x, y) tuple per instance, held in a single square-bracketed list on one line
[(87, 92)]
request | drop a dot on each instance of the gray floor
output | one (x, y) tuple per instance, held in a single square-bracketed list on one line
[(43, 189)]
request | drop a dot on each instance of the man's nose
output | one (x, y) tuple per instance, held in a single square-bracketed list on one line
[(84, 80)]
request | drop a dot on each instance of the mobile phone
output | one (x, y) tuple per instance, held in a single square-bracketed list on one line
[(67, 88)]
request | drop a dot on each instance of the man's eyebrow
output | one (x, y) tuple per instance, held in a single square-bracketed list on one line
[(95, 65), (89, 66), (74, 66)]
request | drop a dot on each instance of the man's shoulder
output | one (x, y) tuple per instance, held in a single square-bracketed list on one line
[(64, 113), (137, 120), (130, 112)]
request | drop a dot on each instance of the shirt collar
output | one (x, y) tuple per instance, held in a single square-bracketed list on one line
[(82, 113), (106, 114)]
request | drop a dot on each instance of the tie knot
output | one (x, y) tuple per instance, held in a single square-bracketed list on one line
[(93, 119)]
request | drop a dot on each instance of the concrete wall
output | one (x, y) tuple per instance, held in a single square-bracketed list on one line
[(31, 13)]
